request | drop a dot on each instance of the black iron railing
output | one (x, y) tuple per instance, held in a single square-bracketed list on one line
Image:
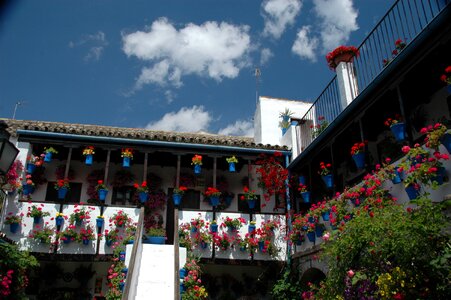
[(404, 21)]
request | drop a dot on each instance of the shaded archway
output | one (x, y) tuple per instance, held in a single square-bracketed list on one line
[(312, 275)]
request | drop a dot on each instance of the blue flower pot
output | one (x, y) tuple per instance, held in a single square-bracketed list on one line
[(67, 239), (122, 256), (177, 199), (299, 241), (157, 240), (359, 160), (214, 227), (232, 167), (214, 201), (28, 189), (399, 131), (242, 248), (59, 221), (62, 192), (412, 192), (78, 223), (303, 180), (319, 230), (261, 246), (197, 169), (311, 236), (397, 178), (100, 222), (325, 216), (446, 141), (121, 286), (126, 162), (203, 245), (193, 229), (143, 197), (13, 227), (86, 242), (251, 228), (231, 228), (109, 243), (125, 271), (182, 288), (328, 180), (311, 220), (306, 197), (284, 130), (102, 194), (37, 220), (441, 173), (48, 157), (30, 168), (89, 159), (251, 204), (182, 273)]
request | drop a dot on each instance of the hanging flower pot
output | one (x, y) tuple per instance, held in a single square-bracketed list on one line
[(143, 197), (122, 256), (251, 203), (121, 286), (13, 227), (325, 215), (251, 228), (157, 240), (37, 219), (89, 159), (62, 192), (300, 240), (359, 160), (100, 222), (302, 180), (59, 221), (284, 130), (193, 229), (214, 201), (30, 168), (28, 189), (86, 242), (214, 227), (232, 167), (261, 246), (124, 271), (102, 194), (126, 162), (441, 173), (328, 180), (203, 245), (413, 191), (109, 243), (48, 157), (319, 230), (197, 169), (397, 177), (446, 141), (182, 273), (312, 220), (242, 248), (306, 197), (311, 236), (177, 198), (399, 131)]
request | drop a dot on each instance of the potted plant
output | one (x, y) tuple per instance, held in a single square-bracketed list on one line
[(213, 194), (319, 127), (435, 135), (232, 161), (100, 220), (213, 226), (252, 227), (143, 191), (68, 234), (86, 235), (59, 219), (102, 190), (28, 186), (250, 197), (48, 153), (156, 235), (284, 125), (233, 224), (197, 223), (341, 54), (305, 194), (286, 114), (222, 242), (80, 215), (358, 155), (62, 186), (42, 235), (88, 152), (197, 162), (446, 78), (37, 213), (203, 239), (177, 194), (127, 156), (111, 236), (325, 172), (311, 235), (120, 219), (32, 163), (13, 221), (397, 127)]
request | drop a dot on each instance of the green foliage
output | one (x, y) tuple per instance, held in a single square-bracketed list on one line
[(19, 262), (287, 287)]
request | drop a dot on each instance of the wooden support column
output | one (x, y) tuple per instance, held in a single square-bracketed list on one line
[(107, 166), (176, 237), (215, 166), (402, 108), (333, 167), (146, 160), (69, 157)]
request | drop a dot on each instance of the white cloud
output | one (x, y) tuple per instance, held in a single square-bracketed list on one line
[(304, 46), (170, 96), (187, 119), (239, 128), (96, 43), (338, 20), (265, 56), (278, 14), (214, 50)]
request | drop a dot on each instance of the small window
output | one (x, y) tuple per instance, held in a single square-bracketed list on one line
[(123, 195), (73, 195), (244, 207)]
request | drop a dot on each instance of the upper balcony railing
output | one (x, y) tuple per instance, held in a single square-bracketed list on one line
[(404, 20)]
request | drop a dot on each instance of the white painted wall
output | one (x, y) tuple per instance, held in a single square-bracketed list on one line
[(266, 118)]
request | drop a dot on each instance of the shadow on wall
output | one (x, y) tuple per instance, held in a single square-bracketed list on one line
[(312, 275)]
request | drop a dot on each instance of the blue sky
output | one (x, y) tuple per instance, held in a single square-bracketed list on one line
[(170, 64)]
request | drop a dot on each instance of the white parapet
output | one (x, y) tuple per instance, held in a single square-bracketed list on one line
[(347, 83)]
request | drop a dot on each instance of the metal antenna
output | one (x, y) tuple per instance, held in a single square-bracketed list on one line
[(257, 79), (18, 103)]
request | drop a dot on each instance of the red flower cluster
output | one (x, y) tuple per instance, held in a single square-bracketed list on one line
[(5, 283), (342, 50), (358, 147), (272, 175), (390, 122), (212, 192), (302, 188), (446, 78), (324, 169), (141, 188)]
